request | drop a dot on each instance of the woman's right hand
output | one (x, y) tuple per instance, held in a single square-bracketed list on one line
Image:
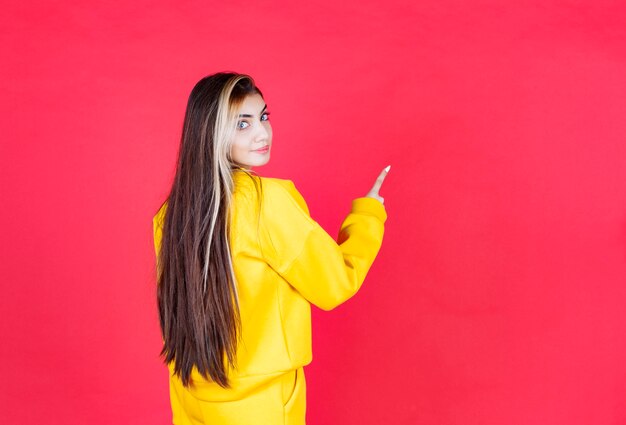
[(373, 193)]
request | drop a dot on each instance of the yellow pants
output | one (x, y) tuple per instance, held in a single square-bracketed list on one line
[(281, 401)]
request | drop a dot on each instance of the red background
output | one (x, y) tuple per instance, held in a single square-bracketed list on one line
[(499, 293)]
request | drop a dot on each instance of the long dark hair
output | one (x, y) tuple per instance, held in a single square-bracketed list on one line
[(196, 286)]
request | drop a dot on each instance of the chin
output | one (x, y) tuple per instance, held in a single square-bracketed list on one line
[(260, 162)]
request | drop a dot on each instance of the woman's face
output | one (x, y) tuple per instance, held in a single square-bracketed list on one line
[(253, 134)]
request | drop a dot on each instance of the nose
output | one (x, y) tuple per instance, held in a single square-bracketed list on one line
[(262, 135)]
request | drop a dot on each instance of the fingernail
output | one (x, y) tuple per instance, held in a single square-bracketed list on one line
[(387, 168)]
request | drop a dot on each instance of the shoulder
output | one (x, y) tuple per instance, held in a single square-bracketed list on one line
[(280, 185), (284, 191), (243, 179), (275, 192)]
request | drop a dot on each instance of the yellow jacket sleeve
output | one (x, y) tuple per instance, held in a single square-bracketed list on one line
[(324, 271)]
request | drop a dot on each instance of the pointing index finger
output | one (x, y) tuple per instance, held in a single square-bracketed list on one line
[(380, 179)]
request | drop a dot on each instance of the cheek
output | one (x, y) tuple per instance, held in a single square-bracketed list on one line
[(238, 147)]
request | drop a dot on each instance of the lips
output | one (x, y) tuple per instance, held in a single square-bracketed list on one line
[(263, 149)]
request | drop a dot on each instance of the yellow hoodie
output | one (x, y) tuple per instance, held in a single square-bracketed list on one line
[(283, 261)]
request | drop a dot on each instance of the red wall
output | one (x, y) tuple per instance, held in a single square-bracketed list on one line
[(499, 294)]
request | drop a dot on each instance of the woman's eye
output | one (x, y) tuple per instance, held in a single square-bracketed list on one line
[(265, 116), (242, 124)]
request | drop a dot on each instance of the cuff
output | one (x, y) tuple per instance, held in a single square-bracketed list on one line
[(369, 206)]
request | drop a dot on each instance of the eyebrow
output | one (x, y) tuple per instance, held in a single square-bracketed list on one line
[(250, 116)]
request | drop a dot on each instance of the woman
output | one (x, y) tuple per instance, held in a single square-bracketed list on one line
[(240, 260)]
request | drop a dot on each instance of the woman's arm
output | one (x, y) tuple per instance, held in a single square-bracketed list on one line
[(325, 272)]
